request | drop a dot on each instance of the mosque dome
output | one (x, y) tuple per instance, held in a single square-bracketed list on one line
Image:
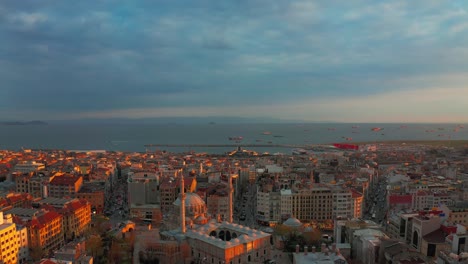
[(191, 200), (292, 222), (194, 205)]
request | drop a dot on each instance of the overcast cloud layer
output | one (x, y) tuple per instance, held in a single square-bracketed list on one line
[(355, 61)]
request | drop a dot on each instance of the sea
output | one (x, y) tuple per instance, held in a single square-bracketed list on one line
[(133, 138)]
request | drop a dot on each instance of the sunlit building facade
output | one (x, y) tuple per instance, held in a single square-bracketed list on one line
[(45, 232), (8, 238), (65, 186)]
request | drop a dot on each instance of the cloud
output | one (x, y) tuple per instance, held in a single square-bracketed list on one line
[(112, 57), (26, 21)]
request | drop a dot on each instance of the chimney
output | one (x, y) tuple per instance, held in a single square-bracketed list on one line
[(305, 250), (182, 202), (313, 249), (297, 248)]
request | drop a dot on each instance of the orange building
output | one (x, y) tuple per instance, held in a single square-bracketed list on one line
[(77, 217), (76, 214), (65, 186), (9, 244), (93, 192), (357, 204), (45, 231)]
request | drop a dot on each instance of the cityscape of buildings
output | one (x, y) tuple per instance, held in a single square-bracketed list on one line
[(381, 203)]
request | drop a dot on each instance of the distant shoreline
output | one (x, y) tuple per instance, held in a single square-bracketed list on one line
[(434, 143), (19, 123)]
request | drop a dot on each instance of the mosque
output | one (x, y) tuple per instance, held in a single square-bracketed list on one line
[(214, 241)]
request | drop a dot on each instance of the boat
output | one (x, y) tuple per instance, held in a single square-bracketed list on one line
[(278, 136), (266, 133), (376, 128), (238, 138)]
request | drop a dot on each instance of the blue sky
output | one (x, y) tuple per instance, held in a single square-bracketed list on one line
[(351, 61)]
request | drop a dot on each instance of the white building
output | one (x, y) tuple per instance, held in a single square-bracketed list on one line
[(28, 166), (23, 243), (342, 204)]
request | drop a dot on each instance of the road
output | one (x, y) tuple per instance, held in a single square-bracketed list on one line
[(117, 206), (378, 203), (249, 206)]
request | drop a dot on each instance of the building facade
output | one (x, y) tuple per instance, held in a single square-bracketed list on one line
[(9, 241), (65, 186)]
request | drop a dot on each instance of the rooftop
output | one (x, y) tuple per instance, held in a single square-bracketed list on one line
[(245, 234), (65, 180)]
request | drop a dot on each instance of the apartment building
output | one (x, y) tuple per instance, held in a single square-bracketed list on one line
[(46, 231), (23, 243), (143, 188), (29, 166), (76, 214), (315, 203), (35, 185), (268, 206), (218, 205), (356, 204), (426, 200), (342, 203), (8, 240), (65, 186), (458, 214), (168, 189), (93, 192)]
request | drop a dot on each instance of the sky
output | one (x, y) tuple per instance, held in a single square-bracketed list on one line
[(344, 61)]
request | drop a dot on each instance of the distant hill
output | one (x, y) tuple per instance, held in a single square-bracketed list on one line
[(20, 123), (176, 120)]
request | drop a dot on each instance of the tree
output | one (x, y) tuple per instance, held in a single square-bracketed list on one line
[(281, 230), (312, 237), (115, 252), (94, 245)]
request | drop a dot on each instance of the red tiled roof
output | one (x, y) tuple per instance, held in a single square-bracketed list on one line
[(44, 219), (355, 194), (401, 199), (65, 180)]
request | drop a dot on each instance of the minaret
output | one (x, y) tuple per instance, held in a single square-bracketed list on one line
[(182, 202), (231, 190)]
